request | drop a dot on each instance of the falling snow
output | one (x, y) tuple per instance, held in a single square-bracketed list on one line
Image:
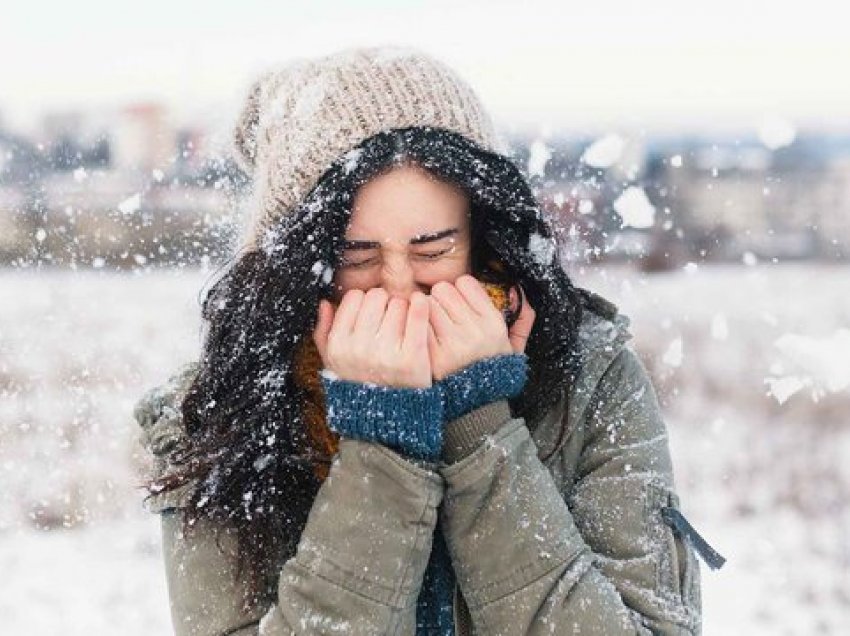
[(790, 451), (604, 152), (821, 364), (130, 204), (538, 158), (352, 158), (719, 327), (673, 354), (542, 249), (634, 208), (776, 132)]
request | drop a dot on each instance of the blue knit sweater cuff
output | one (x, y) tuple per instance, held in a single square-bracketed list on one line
[(483, 381), (407, 420)]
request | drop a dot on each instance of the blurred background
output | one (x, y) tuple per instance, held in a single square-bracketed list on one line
[(694, 159)]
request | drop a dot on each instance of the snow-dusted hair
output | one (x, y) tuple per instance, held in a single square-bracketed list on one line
[(243, 407)]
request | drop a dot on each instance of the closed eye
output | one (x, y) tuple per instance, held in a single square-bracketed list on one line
[(428, 256), (356, 264), (433, 255)]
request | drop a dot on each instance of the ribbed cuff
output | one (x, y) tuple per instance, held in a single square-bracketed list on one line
[(405, 419), (483, 381), (466, 433)]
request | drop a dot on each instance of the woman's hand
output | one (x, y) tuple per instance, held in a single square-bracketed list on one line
[(465, 327), (372, 338)]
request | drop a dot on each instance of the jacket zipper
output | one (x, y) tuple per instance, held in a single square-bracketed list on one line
[(454, 610)]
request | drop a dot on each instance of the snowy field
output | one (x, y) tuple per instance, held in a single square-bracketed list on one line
[(751, 364)]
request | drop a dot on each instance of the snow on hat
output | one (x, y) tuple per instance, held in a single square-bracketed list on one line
[(297, 120)]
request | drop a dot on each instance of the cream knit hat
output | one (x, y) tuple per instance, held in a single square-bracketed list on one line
[(299, 119)]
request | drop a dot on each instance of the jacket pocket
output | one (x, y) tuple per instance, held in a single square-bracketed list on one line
[(686, 544)]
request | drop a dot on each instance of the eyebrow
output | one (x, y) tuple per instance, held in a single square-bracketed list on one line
[(416, 240)]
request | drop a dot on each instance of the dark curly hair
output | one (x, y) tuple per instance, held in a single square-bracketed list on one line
[(246, 443)]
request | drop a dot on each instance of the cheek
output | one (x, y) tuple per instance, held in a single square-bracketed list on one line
[(461, 263), (456, 266), (448, 269), (345, 280)]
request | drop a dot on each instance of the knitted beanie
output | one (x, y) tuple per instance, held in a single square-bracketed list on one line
[(298, 120)]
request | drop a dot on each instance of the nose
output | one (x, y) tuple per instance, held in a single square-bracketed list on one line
[(399, 280)]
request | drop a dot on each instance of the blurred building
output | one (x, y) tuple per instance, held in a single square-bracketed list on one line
[(831, 205), (120, 188), (142, 138), (12, 229), (128, 187), (789, 203)]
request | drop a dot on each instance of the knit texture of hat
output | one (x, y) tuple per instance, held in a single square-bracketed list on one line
[(299, 119)]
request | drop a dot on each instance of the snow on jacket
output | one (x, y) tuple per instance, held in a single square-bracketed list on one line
[(591, 542)]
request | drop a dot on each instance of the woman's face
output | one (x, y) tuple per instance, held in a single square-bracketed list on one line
[(408, 231)]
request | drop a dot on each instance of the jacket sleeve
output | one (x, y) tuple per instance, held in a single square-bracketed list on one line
[(358, 566), (597, 560)]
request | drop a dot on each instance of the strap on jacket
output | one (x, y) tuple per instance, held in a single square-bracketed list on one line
[(677, 521)]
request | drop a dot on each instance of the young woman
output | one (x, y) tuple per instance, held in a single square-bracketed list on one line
[(405, 418)]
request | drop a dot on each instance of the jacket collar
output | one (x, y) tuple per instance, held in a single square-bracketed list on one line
[(602, 334)]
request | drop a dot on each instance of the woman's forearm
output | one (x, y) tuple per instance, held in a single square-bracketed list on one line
[(360, 562)]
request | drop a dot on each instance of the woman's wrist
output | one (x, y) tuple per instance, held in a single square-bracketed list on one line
[(484, 381), (462, 436), (411, 420), (408, 420)]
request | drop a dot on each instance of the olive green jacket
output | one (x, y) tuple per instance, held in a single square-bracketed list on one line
[(577, 545)]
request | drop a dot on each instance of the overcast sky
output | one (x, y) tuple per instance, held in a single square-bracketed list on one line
[(661, 64)]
